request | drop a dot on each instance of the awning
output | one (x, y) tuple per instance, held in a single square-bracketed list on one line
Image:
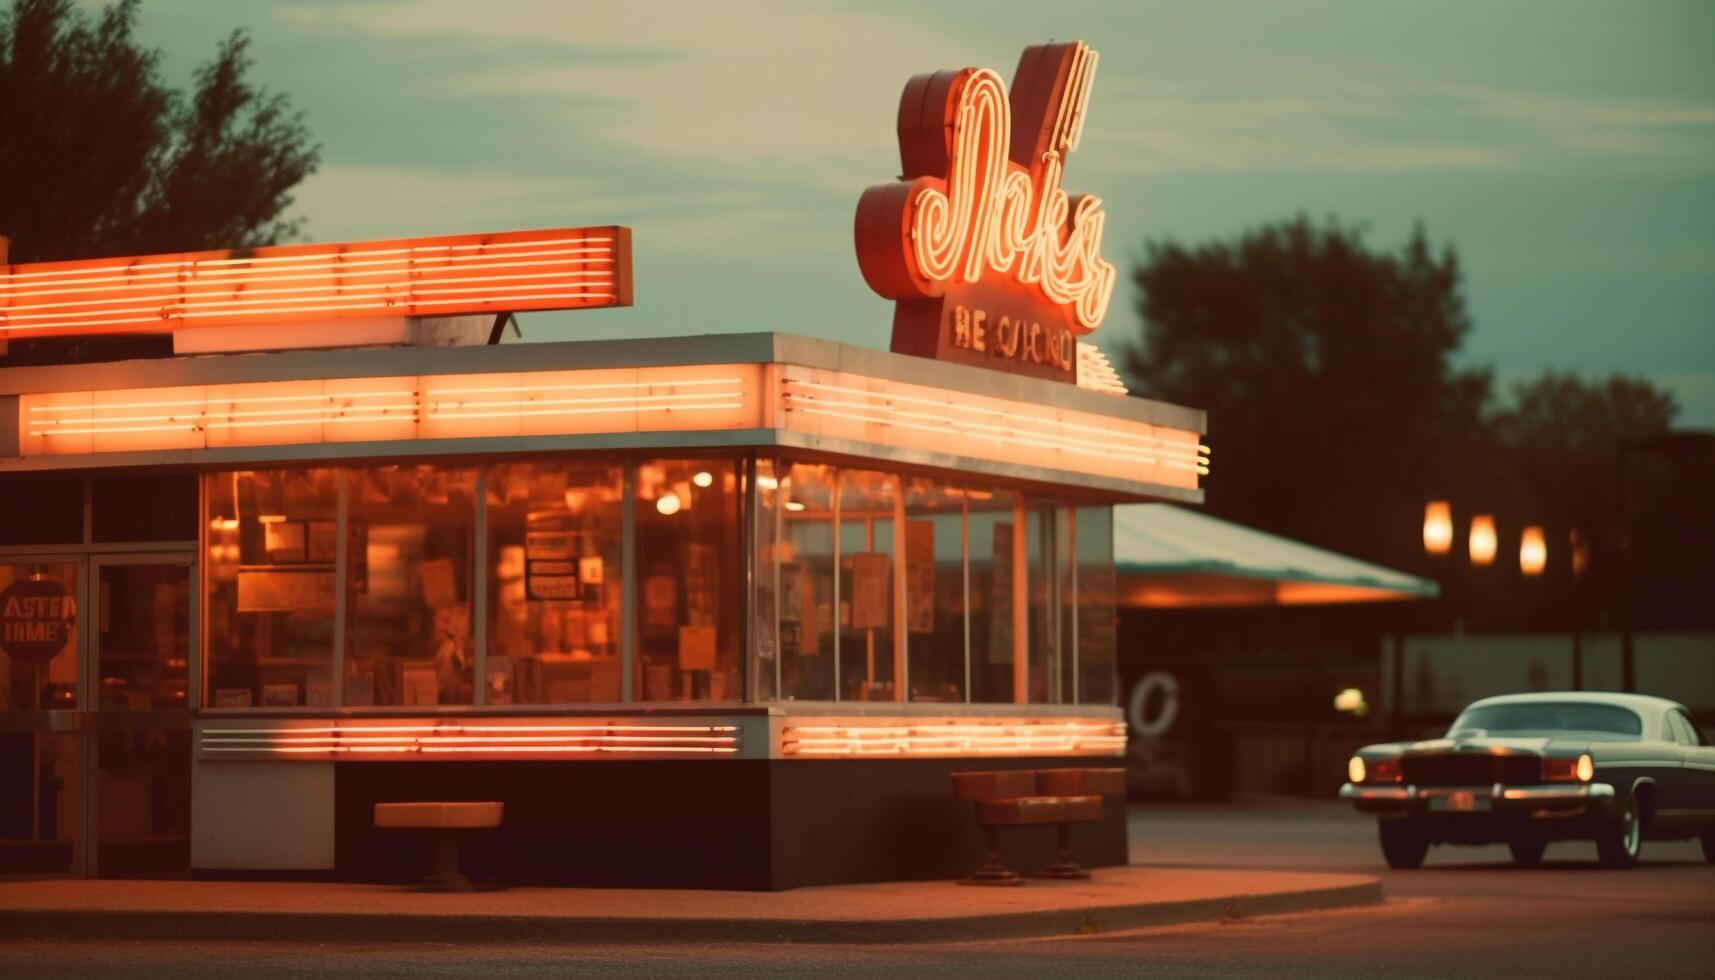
[(1170, 557)]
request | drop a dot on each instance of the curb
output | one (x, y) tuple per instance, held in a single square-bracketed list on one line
[(159, 926)]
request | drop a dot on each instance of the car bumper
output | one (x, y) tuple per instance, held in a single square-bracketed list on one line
[(1545, 802)]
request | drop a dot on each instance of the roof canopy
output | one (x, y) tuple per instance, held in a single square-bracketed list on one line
[(1169, 557)]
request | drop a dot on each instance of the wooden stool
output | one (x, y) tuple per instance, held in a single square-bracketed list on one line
[(446, 820)]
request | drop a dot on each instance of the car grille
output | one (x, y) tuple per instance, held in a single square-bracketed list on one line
[(1471, 770)]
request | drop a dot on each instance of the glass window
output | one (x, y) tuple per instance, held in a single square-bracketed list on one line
[(554, 583), (807, 599), (1550, 716), (1093, 544), (1046, 584), (993, 556), (868, 657), (935, 589), (138, 507), (690, 589), (408, 629), (270, 572), (41, 510), (765, 610)]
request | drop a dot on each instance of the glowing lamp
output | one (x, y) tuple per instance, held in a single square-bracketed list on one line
[(1532, 551), (668, 504), (794, 505), (1438, 527), (703, 478), (1482, 541), (1351, 701)]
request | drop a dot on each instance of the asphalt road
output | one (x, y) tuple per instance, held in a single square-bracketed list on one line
[(1467, 913)]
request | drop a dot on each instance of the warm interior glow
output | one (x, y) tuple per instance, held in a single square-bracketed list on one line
[(1482, 541), (1532, 551), (560, 268), (1438, 527)]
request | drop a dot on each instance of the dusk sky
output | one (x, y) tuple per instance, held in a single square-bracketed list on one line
[(1566, 149)]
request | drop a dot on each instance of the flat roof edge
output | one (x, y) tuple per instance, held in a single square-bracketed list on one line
[(751, 348)]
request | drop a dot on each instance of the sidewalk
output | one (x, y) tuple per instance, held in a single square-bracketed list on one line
[(900, 912)]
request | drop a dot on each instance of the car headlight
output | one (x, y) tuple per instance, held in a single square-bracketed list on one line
[(1586, 768), (1355, 769)]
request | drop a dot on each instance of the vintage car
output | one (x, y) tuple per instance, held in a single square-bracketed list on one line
[(1527, 769)]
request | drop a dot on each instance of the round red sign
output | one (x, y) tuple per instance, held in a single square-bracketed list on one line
[(36, 619)]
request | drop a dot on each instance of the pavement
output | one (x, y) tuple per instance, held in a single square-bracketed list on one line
[(1114, 899)]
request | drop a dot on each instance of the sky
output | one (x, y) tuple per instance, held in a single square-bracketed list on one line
[(1566, 149)]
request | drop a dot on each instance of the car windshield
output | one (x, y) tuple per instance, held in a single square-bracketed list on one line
[(1550, 717)]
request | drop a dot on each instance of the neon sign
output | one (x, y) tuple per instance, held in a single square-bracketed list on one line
[(991, 261), (504, 272)]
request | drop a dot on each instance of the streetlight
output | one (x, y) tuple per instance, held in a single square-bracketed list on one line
[(1438, 527), (1482, 542), (1532, 551)]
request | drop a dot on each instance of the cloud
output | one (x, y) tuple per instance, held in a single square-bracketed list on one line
[(740, 89)]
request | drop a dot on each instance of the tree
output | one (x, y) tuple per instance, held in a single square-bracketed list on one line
[(99, 157), (1327, 370)]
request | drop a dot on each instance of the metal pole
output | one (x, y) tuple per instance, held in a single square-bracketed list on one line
[(1628, 675)]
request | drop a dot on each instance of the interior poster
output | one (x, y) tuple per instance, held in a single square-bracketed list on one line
[(870, 592), (550, 565), (920, 576)]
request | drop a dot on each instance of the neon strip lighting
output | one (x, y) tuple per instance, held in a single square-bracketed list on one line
[(168, 292), (1012, 417), (971, 738), (1189, 459), (460, 740), (269, 413), (504, 272), (995, 433), (339, 259)]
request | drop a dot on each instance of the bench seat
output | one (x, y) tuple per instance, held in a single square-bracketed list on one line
[(1038, 809), (439, 816)]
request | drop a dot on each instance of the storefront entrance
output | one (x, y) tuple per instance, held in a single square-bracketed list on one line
[(95, 683)]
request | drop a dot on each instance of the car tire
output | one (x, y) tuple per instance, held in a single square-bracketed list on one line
[(1527, 853), (1403, 845), (1618, 844)]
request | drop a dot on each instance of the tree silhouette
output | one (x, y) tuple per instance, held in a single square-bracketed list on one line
[(1327, 370), (1336, 410), (99, 157)]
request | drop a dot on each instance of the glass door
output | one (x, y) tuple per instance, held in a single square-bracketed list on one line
[(140, 722), (43, 766)]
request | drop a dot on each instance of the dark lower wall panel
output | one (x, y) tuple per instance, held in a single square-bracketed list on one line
[(650, 824), (852, 820), (728, 824)]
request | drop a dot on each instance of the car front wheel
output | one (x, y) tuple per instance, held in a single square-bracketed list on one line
[(1403, 845), (1528, 852), (1618, 844)]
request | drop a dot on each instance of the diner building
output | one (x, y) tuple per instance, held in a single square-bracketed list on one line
[(716, 611)]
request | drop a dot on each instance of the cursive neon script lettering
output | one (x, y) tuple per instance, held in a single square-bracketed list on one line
[(991, 214)]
